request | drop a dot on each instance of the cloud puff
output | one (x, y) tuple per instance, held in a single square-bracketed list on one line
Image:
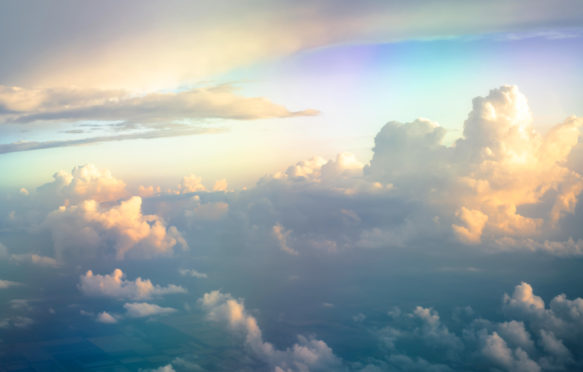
[(281, 234), (308, 354), (193, 273), (8, 284), (536, 338), (500, 164), (119, 230), (144, 309), (82, 183), (105, 317), (114, 285)]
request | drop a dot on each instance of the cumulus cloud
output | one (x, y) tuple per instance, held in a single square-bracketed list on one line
[(82, 183), (144, 309), (308, 354), (116, 230), (499, 165), (115, 285), (105, 317), (532, 338)]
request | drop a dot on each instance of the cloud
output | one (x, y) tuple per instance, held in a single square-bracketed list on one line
[(193, 41), (308, 354), (105, 317), (190, 183), (502, 178), (149, 134), (7, 284), (151, 115), (16, 322), (114, 285), (82, 183), (144, 309), (115, 229), (193, 273), (166, 368), (24, 106), (282, 235), (35, 259), (531, 338), (498, 353)]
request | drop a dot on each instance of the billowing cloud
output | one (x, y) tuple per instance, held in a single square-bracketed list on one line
[(308, 354), (144, 309), (536, 338), (500, 164), (82, 183), (115, 285), (116, 230)]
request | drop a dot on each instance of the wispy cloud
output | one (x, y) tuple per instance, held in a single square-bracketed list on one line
[(151, 134), (20, 105)]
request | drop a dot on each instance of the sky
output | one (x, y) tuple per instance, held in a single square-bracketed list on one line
[(291, 186)]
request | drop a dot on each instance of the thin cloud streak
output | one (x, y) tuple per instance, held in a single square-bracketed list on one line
[(163, 133)]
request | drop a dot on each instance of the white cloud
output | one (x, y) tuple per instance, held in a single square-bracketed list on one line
[(115, 285), (29, 105), (282, 236), (82, 183), (190, 183), (308, 354), (166, 368), (497, 351), (524, 299), (144, 309), (96, 227), (7, 284), (534, 338), (105, 317), (500, 164), (193, 273)]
